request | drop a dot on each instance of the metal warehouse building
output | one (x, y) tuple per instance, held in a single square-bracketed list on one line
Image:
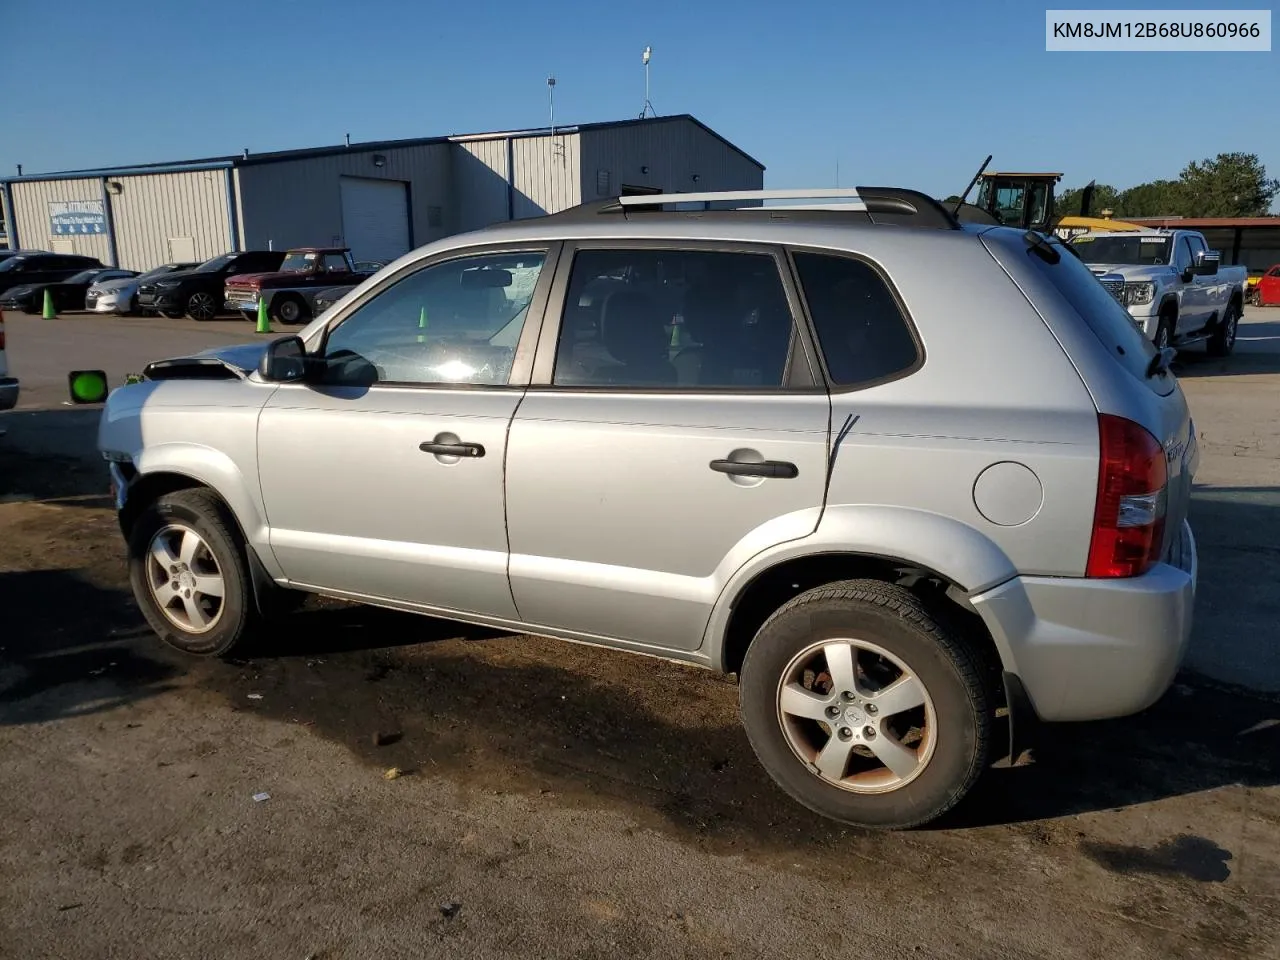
[(381, 199)]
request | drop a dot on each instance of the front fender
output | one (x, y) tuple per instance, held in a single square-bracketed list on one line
[(931, 541), (216, 470)]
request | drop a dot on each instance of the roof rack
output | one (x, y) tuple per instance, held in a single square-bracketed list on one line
[(896, 205)]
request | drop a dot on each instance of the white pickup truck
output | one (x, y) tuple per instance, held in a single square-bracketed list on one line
[(1171, 284)]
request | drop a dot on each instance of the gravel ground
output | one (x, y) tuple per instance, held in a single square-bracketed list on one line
[(561, 801)]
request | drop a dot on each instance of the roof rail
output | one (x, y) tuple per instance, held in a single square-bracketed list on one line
[(718, 196), (895, 205)]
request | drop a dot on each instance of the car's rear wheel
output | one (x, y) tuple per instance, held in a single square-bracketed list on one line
[(189, 575), (863, 707), (289, 309), (202, 306), (1223, 340)]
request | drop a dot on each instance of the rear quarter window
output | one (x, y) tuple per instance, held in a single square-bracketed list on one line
[(862, 332)]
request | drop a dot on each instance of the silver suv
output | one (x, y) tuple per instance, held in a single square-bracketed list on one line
[(903, 475)]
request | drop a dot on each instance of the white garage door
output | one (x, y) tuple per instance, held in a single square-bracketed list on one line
[(375, 217)]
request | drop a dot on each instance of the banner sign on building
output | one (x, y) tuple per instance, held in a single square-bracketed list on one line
[(68, 217)]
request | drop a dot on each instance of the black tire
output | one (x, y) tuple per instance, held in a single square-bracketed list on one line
[(201, 511), (202, 306), (290, 309), (1223, 340), (895, 620)]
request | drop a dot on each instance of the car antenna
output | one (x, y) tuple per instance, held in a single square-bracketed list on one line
[(964, 196)]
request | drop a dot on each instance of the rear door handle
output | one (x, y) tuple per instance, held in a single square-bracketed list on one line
[(452, 449), (778, 469)]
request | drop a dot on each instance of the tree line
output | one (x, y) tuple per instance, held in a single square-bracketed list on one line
[(1228, 185)]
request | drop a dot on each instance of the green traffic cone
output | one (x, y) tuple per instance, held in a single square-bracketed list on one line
[(264, 322), (422, 324), (49, 312)]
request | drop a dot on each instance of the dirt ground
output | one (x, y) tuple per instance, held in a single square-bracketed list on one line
[(558, 801)]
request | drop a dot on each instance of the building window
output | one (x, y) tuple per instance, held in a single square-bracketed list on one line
[(602, 183)]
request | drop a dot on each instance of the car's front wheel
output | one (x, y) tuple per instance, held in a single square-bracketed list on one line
[(202, 306), (189, 574), (863, 707)]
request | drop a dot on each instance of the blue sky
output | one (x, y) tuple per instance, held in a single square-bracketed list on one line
[(912, 94)]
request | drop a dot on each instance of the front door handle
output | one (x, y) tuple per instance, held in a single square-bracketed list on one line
[(452, 449), (777, 469)]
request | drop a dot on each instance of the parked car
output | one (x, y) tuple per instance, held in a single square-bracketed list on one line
[(35, 268), (120, 296), (68, 294), (322, 300), (288, 291), (8, 384), (197, 293), (1267, 292), (712, 437), (6, 253), (1172, 285)]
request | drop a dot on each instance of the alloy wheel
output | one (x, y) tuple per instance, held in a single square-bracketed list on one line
[(185, 579), (856, 715), (201, 307)]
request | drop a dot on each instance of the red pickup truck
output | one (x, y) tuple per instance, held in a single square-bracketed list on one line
[(288, 292)]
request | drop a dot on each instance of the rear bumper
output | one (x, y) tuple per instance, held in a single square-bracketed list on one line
[(1092, 649), (8, 393)]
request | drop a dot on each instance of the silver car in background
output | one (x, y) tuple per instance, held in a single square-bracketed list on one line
[(121, 296), (906, 477)]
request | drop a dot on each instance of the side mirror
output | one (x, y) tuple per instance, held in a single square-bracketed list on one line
[(285, 361), (1207, 263)]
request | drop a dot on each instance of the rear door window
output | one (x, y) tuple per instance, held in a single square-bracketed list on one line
[(683, 320), (863, 335)]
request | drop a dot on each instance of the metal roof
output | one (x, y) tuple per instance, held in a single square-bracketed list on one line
[(276, 156), (1196, 223)]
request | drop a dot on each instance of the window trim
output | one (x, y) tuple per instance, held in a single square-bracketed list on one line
[(799, 373), (522, 362), (831, 386)]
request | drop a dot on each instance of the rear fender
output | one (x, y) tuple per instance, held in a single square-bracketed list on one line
[(916, 538)]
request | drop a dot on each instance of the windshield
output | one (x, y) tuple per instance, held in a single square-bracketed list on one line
[(1132, 250), (298, 261), (11, 263), (84, 276), (216, 264), (161, 270)]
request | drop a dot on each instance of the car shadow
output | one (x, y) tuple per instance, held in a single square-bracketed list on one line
[(69, 648), (50, 456)]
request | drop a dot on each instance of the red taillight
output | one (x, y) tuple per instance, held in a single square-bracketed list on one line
[(1128, 519)]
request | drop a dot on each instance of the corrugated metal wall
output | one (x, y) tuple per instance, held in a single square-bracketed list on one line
[(296, 203), (479, 183), (154, 208), (31, 201), (672, 150), (547, 175)]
